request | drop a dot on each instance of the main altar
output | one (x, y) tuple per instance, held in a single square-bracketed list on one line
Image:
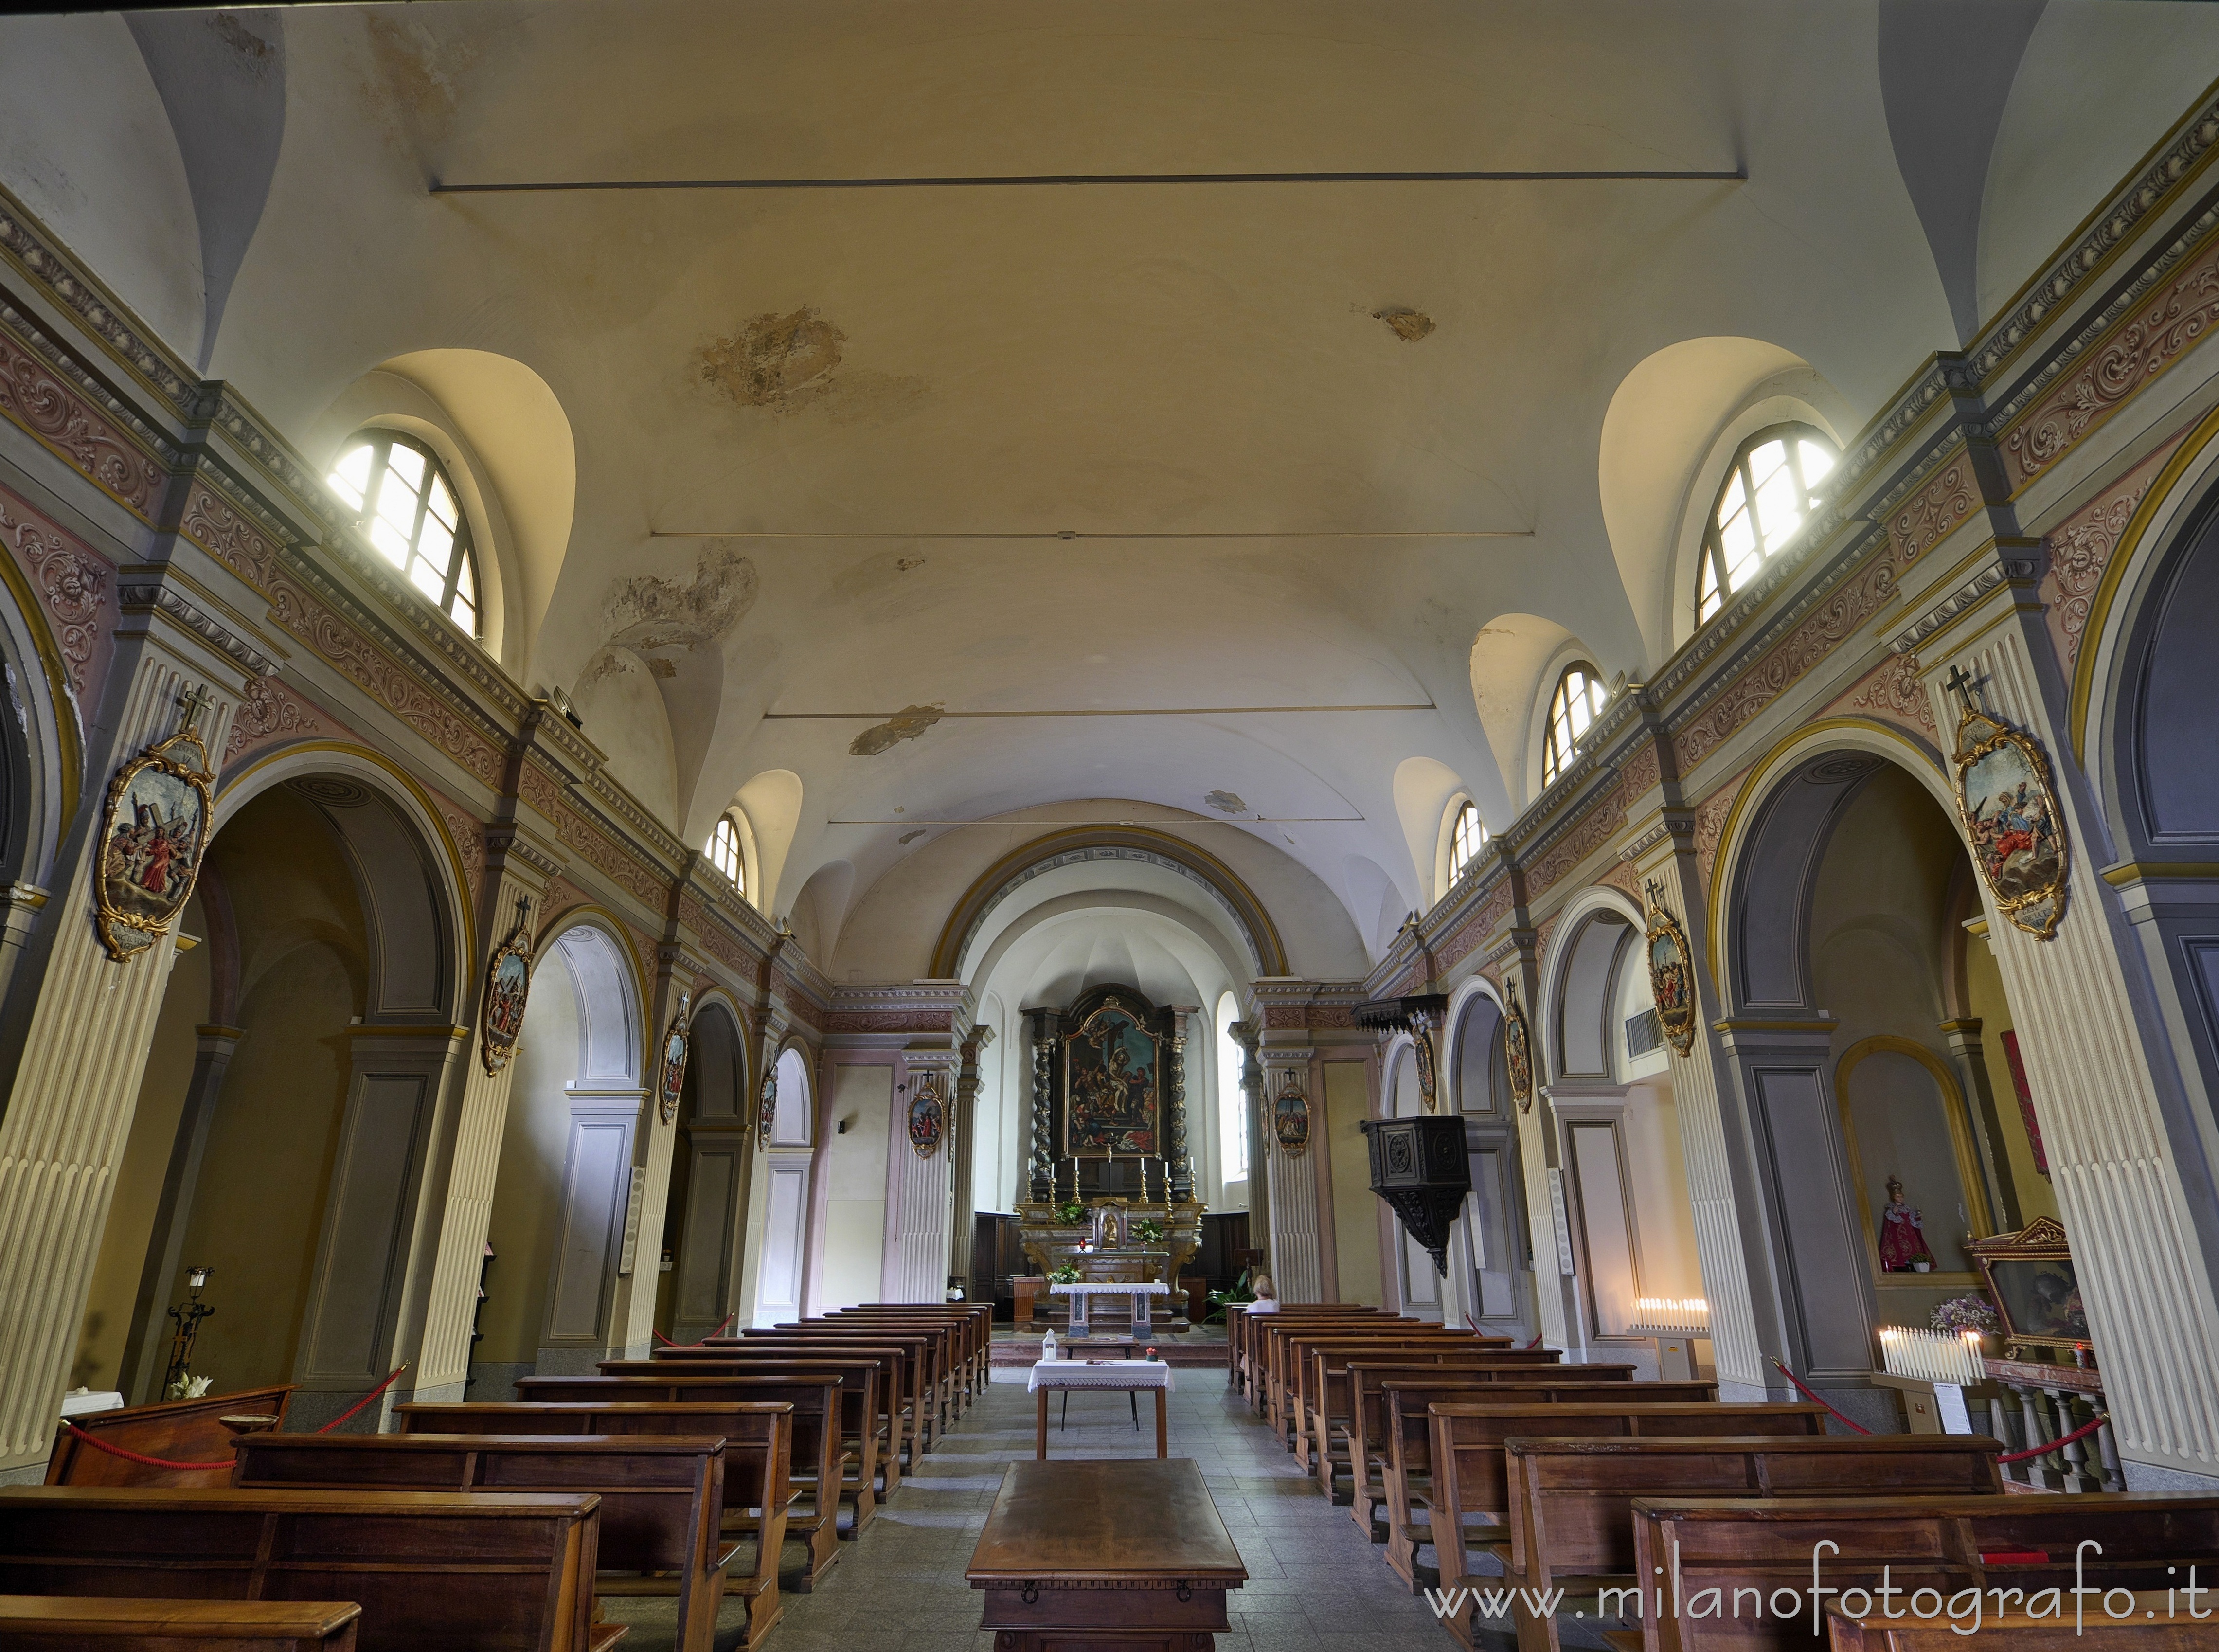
[(1109, 1172)]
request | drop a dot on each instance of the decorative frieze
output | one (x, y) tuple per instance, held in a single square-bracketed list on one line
[(75, 586), (1929, 515), (2080, 548), (1892, 692), (2125, 347), (271, 712), (1844, 612), (36, 395), (1983, 580)]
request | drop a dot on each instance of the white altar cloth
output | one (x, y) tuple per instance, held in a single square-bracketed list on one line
[(1110, 1288), (1099, 1374)]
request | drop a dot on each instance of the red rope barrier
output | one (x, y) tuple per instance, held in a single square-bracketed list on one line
[(100, 1445), (129, 1456), (718, 1331), (1807, 1395), (2079, 1433), (364, 1400)]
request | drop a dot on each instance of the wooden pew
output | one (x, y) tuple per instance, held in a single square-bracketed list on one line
[(818, 1464), (2162, 1623), (1571, 1500), (942, 1353), (959, 1346), (972, 1328), (976, 1323), (925, 1351), (431, 1570), (1241, 1324), (182, 1431), (1392, 1445), (1468, 1479), (1321, 1400), (758, 1439), (1284, 1349), (861, 1431), (1293, 1351), (902, 1391), (662, 1500), (61, 1623), (1364, 1449), (1947, 1544), (1244, 1336), (1269, 1334)]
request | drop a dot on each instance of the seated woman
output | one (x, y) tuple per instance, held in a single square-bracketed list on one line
[(1267, 1295)]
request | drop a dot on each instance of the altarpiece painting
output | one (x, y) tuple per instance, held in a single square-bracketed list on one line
[(1113, 1065)]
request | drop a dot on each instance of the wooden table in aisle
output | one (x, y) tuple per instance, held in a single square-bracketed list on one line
[(1126, 1373), (1119, 1553)]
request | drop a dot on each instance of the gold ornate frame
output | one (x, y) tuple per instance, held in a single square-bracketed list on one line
[(1517, 1047), (1290, 1090), (670, 1079), (494, 1052), (116, 926), (1679, 1025), (1070, 1150), (2040, 1240), (927, 1088), (2036, 912)]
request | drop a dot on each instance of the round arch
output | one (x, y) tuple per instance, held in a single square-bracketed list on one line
[(2178, 507), (40, 779), (1581, 961), (1464, 1016), (1029, 860), (391, 828), (601, 961), (1835, 754)]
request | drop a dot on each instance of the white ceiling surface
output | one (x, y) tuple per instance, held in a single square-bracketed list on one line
[(1129, 359)]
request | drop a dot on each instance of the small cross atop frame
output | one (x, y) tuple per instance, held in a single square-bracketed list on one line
[(192, 705), (523, 912), (1961, 685), (1655, 893)]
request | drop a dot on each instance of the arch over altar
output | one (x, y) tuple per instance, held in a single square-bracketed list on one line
[(1110, 1173)]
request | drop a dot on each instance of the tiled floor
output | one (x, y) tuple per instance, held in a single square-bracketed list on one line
[(1314, 1584)]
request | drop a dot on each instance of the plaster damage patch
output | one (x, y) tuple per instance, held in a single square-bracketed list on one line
[(905, 724), (647, 613), (911, 836), (1227, 803), (779, 362), (1408, 324)]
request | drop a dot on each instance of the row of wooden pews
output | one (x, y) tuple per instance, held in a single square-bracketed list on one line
[(486, 1524), (1653, 1502)]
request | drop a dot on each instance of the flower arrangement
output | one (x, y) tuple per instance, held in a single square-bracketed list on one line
[(1067, 1275), (1070, 1213), (1962, 1313), (1148, 1232)]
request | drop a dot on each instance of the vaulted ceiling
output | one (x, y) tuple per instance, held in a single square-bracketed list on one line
[(775, 467)]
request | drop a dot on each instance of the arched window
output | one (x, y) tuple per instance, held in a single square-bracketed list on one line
[(1232, 1109), (403, 502), (1465, 839), (1578, 702), (1769, 492), (724, 853)]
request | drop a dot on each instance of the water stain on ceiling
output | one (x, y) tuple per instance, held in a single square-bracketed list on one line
[(905, 724), (1227, 803), (779, 362), (647, 613), (1408, 324)]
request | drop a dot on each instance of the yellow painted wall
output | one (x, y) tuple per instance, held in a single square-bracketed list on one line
[(1355, 1206), (1984, 990), (527, 1188), (257, 1213), (855, 1197), (145, 1163)]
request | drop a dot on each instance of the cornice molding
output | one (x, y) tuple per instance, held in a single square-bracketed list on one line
[(142, 597), (2001, 571)]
